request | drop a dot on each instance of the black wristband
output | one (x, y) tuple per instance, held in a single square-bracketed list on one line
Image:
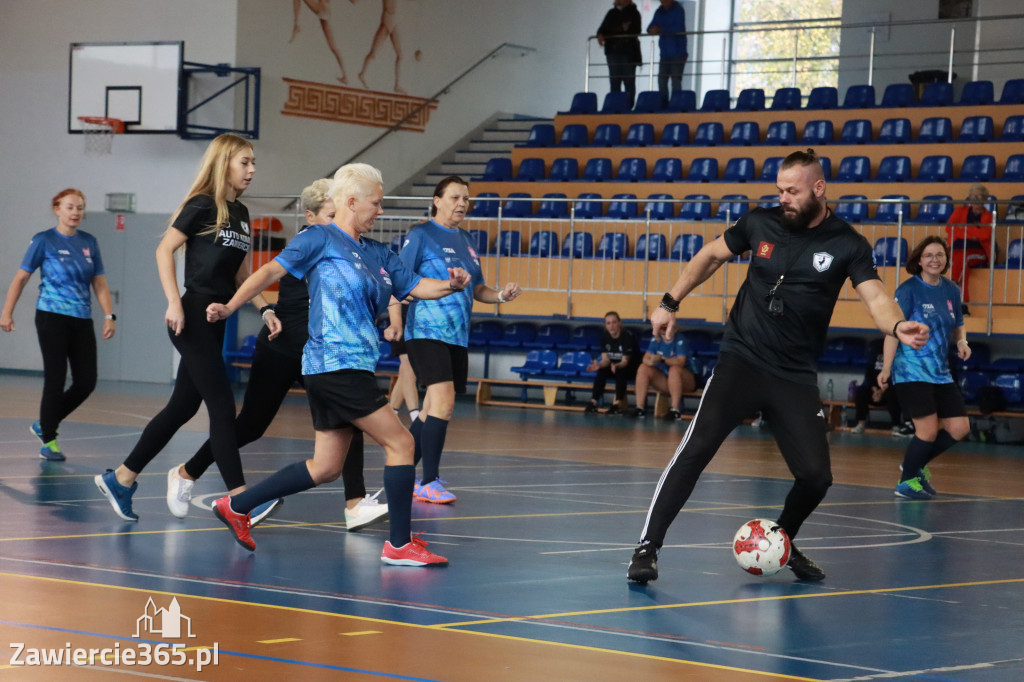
[(265, 309), (668, 303), (894, 327)]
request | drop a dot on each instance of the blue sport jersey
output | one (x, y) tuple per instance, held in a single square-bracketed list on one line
[(350, 283), (937, 306), (672, 349), (429, 250), (68, 266)]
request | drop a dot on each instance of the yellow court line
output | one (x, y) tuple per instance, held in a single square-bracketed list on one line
[(724, 602), (510, 638), (362, 632), (278, 641)]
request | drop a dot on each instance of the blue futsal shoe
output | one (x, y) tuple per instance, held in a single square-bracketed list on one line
[(119, 496)]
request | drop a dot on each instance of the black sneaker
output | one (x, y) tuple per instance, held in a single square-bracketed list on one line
[(643, 567), (614, 409), (672, 415), (637, 413), (804, 568), (591, 408)]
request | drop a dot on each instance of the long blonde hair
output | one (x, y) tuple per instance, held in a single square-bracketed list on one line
[(212, 179)]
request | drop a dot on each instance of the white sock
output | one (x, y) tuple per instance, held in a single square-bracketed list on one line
[(413, 414)]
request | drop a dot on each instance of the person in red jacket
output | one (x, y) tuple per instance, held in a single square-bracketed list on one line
[(969, 235)]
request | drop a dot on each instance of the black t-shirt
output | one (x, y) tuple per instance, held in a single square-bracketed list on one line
[(816, 263), (212, 260), (618, 348), (293, 310)]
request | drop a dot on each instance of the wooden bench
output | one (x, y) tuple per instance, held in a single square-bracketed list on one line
[(485, 396)]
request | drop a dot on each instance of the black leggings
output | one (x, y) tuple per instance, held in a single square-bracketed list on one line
[(735, 390), (622, 378), (64, 341), (202, 378), (862, 403), (270, 377)]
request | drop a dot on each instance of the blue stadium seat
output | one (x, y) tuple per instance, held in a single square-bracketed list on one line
[(517, 205), (578, 245), (856, 131), (675, 135), (899, 95), (553, 209), (1016, 216), (859, 97), (632, 169), (894, 131), (516, 335), (613, 245), (739, 169), (768, 201), (1012, 384), (564, 169), (823, 97), (936, 168), (1014, 254), (1013, 129), (589, 205), (508, 243), (582, 103), (586, 337), (890, 213), (484, 332), (573, 135), (1013, 170), (597, 170), (648, 102), (977, 93), (572, 364), (787, 99), (543, 243), (937, 129), (682, 102), (497, 170), (976, 129), (934, 213), (970, 382), (640, 135), (745, 133), (541, 135), (651, 247), (479, 239), (537, 363), (607, 135), (530, 169), (780, 133), (485, 205), (703, 169), (716, 100), (891, 251), (617, 103), (937, 95), (695, 207), (1013, 92), (854, 169), (667, 170), (732, 207), (894, 169), (621, 209), (750, 99), (770, 168), (826, 166), (978, 168), (659, 207), (396, 243), (550, 336), (852, 208), (844, 350), (685, 247), (817, 133), (709, 134)]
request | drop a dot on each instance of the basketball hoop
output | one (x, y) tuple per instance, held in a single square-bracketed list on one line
[(99, 132)]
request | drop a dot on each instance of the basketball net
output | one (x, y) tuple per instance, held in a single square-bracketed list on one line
[(99, 132)]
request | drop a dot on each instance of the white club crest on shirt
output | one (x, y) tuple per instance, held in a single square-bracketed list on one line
[(822, 261)]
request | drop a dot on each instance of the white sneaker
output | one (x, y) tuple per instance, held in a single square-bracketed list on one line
[(179, 493), (857, 428), (368, 511)]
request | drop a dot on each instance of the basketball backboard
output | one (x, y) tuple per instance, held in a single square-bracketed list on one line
[(139, 83)]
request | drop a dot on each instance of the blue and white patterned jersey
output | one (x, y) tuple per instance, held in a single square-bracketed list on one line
[(350, 283), (68, 265), (429, 250), (937, 306), (677, 347)]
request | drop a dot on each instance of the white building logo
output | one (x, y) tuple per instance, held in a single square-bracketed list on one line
[(164, 622)]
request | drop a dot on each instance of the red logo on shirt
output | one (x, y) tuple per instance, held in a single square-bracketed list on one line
[(383, 271), (472, 253), (85, 252), (764, 250)]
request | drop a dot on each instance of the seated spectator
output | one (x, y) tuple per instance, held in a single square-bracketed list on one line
[(620, 356), (969, 235), (868, 394), (664, 367)]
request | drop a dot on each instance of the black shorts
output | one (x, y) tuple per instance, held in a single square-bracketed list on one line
[(338, 398), (920, 399), (436, 362)]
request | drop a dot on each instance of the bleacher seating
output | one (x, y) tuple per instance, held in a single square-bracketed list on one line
[(894, 169), (588, 205), (770, 168), (1013, 129), (934, 212), (818, 132), (622, 209), (894, 131), (553, 335), (651, 247), (977, 93), (894, 212), (659, 207), (616, 103), (978, 168), (508, 243), (647, 102), (703, 169), (732, 207), (640, 135), (516, 335), (857, 131), (750, 99), (564, 169), (1013, 92), (899, 95), (582, 103), (517, 205), (935, 168), (709, 134), (937, 95), (607, 135), (675, 135), (586, 337), (573, 135), (685, 247), (1014, 253), (859, 97), (715, 100), (976, 129), (497, 169), (852, 208), (739, 169), (478, 239), (541, 135), (552, 209), (537, 363), (768, 201), (613, 245), (530, 169), (667, 170), (682, 102), (891, 251), (578, 245), (598, 169), (1013, 169), (543, 243), (787, 99), (780, 133), (854, 169), (823, 97), (632, 169), (935, 130), (745, 133), (695, 207), (483, 332), (485, 205)]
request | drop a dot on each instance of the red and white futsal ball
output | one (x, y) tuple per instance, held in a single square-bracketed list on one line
[(761, 547)]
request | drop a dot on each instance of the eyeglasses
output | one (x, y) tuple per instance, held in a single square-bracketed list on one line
[(933, 256)]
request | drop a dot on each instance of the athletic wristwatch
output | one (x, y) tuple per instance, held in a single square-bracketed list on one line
[(112, 317)]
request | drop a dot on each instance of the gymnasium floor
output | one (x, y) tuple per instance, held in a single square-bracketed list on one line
[(549, 507)]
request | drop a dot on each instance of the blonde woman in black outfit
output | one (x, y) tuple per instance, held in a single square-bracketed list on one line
[(213, 226)]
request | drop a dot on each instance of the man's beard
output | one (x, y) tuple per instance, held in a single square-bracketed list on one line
[(803, 217)]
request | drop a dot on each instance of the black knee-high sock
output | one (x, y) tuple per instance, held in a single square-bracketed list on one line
[(915, 457), (292, 479), (433, 435), (416, 428), (943, 442), (398, 482)]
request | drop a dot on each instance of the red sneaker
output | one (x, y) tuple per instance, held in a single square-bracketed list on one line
[(238, 523), (413, 553)]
